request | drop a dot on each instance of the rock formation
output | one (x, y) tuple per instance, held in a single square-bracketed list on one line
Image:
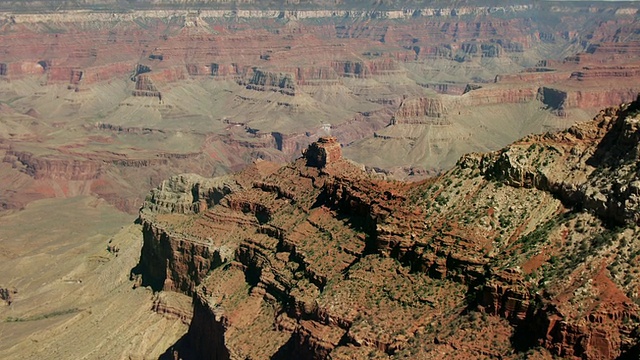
[(531, 246), (323, 152), (7, 294)]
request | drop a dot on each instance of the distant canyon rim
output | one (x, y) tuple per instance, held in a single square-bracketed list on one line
[(103, 97)]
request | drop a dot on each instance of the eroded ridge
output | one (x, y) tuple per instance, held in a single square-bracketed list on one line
[(527, 250)]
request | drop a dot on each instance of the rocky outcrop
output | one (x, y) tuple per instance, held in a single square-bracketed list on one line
[(7, 294), (54, 168), (614, 201), (445, 88), (308, 243), (323, 152), (188, 194), (553, 98), (172, 308), (562, 99), (76, 77), (417, 111), (499, 95), (487, 50), (317, 76), (588, 73), (534, 76), (361, 69), (506, 295), (145, 87), (95, 74), (434, 110), (261, 80), (173, 263)]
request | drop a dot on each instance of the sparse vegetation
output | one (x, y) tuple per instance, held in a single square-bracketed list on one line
[(43, 316)]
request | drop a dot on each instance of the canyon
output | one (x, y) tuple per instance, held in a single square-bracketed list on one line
[(416, 84), (258, 248), (529, 249)]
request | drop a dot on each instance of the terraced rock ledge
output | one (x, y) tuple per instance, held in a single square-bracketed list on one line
[(527, 252)]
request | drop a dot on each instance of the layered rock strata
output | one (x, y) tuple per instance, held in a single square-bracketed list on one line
[(530, 246)]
